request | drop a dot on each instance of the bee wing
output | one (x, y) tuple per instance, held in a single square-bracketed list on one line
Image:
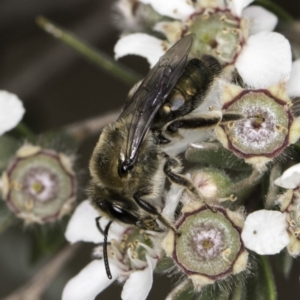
[(140, 110)]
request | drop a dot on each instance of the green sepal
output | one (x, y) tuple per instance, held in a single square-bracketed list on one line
[(59, 141), (46, 239), (6, 217), (213, 154), (183, 291), (164, 265), (284, 263), (8, 148), (261, 285), (232, 289)]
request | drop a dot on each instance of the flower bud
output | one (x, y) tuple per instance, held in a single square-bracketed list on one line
[(39, 185), (269, 126), (209, 246), (289, 204)]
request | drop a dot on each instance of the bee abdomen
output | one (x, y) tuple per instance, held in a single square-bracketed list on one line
[(192, 87)]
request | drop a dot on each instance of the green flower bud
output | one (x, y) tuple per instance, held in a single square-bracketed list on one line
[(39, 185), (269, 126), (209, 247)]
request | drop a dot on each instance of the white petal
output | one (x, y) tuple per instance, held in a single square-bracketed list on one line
[(293, 85), (172, 199), (90, 281), (236, 6), (290, 179), (177, 9), (265, 60), (11, 111), (82, 225), (139, 283), (265, 232), (140, 44), (260, 19)]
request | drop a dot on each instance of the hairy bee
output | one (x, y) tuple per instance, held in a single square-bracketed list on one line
[(135, 154)]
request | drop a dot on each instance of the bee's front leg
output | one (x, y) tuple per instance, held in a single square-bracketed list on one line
[(149, 223), (173, 164)]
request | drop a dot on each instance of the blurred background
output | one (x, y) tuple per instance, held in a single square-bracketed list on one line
[(60, 87)]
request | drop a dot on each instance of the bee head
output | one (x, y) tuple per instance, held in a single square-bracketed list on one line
[(113, 205)]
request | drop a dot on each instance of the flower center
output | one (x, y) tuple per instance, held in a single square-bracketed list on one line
[(40, 184), (37, 187), (265, 129), (205, 236), (218, 33), (130, 252)]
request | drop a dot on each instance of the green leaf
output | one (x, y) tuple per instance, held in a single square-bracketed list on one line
[(8, 148), (7, 219), (164, 265), (261, 285), (212, 154), (284, 263), (46, 239)]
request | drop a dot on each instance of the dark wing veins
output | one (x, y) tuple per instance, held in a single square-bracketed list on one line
[(140, 110)]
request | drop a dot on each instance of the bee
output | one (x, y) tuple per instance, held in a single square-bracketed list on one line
[(135, 154)]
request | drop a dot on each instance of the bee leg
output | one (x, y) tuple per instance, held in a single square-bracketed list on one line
[(203, 121), (179, 179), (232, 117), (153, 211)]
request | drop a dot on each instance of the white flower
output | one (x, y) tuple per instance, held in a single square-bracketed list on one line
[(124, 261), (221, 27), (272, 122), (290, 179), (265, 232), (11, 111)]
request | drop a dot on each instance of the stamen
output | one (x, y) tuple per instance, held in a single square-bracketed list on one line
[(135, 262), (225, 254), (150, 251), (115, 247), (29, 203)]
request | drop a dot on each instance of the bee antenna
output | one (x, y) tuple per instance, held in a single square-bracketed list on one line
[(105, 257), (105, 243)]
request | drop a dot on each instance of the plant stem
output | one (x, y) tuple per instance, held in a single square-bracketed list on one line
[(101, 59), (86, 128), (269, 277), (7, 222), (35, 288), (25, 131)]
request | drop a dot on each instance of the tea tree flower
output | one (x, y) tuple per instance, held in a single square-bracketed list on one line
[(271, 123), (209, 247), (131, 258), (222, 29), (265, 232), (11, 111), (290, 205), (39, 185)]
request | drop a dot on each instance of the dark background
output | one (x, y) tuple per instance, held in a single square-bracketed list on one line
[(60, 87)]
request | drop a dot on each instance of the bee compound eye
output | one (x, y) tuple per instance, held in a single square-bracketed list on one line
[(122, 215)]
